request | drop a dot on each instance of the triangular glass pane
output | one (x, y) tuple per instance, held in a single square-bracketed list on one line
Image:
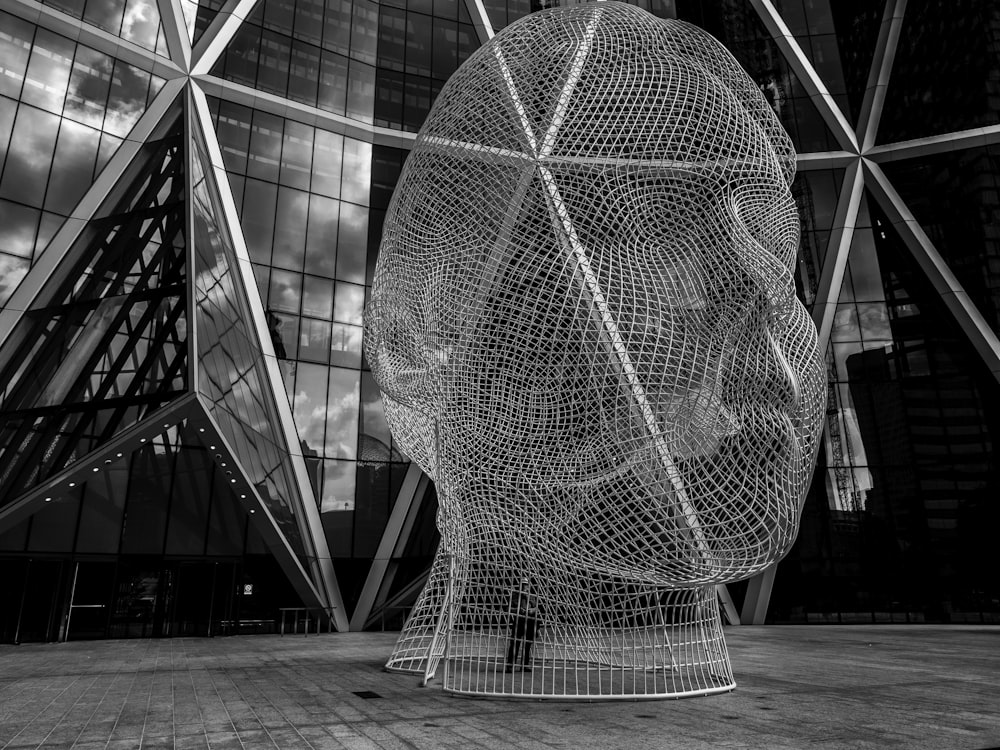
[(108, 346), (816, 194), (240, 60), (137, 21), (502, 13), (198, 16), (954, 92), (912, 421), (232, 377), (862, 318), (740, 29), (406, 579), (953, 196), (839, 39), (355, 570)]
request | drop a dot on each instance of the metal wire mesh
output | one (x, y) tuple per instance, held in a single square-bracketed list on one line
[(584, 325)]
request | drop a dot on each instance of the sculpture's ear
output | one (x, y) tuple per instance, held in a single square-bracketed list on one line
[(705, 50)]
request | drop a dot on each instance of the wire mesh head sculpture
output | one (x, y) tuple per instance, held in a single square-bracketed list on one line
[(584, 325)]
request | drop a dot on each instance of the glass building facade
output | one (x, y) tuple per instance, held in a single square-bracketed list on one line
[(191, 202)]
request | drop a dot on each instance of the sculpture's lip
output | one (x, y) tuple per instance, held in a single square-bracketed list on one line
[(566, 471)]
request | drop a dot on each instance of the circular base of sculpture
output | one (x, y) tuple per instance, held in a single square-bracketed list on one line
[(532, 691), (676, 649)]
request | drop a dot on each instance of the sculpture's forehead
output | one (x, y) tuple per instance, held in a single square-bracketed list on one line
[(607, 81)]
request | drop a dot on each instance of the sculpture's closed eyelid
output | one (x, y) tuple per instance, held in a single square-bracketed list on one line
[(765, 269)]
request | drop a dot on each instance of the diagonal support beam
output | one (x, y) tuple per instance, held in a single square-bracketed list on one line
[(838, 249), (936, 144), (109, 455), (213, 438), (758, 597), (219, 34), (726, 600), (244, 275), (831, 280), (395, 536), (878, 78), (823, 160), (480, 20), (175, 32)]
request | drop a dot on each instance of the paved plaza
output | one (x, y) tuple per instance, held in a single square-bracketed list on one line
[(798, 687)]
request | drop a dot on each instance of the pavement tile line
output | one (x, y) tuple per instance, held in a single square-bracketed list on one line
[(824, 687)]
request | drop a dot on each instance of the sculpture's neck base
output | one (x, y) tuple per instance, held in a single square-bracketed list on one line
[(671, 649)]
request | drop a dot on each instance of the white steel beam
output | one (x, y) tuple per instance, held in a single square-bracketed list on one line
[(408, 501), (838, 249), (935, 144), (878, 77), (480, 20), (726, 600), (219, 34), (175, 32), (758, 597), (244, 275), (823, 160)]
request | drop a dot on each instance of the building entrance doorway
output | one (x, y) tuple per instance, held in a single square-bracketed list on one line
[(173, 598), (140, 597), (149, 598)]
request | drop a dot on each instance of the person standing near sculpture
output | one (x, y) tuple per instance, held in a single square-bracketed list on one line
[(524, 623)]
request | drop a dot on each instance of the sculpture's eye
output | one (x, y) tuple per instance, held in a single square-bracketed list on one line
[(682, 281), (764, 236)]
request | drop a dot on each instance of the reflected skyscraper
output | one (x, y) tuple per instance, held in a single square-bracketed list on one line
[(191, 202)]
